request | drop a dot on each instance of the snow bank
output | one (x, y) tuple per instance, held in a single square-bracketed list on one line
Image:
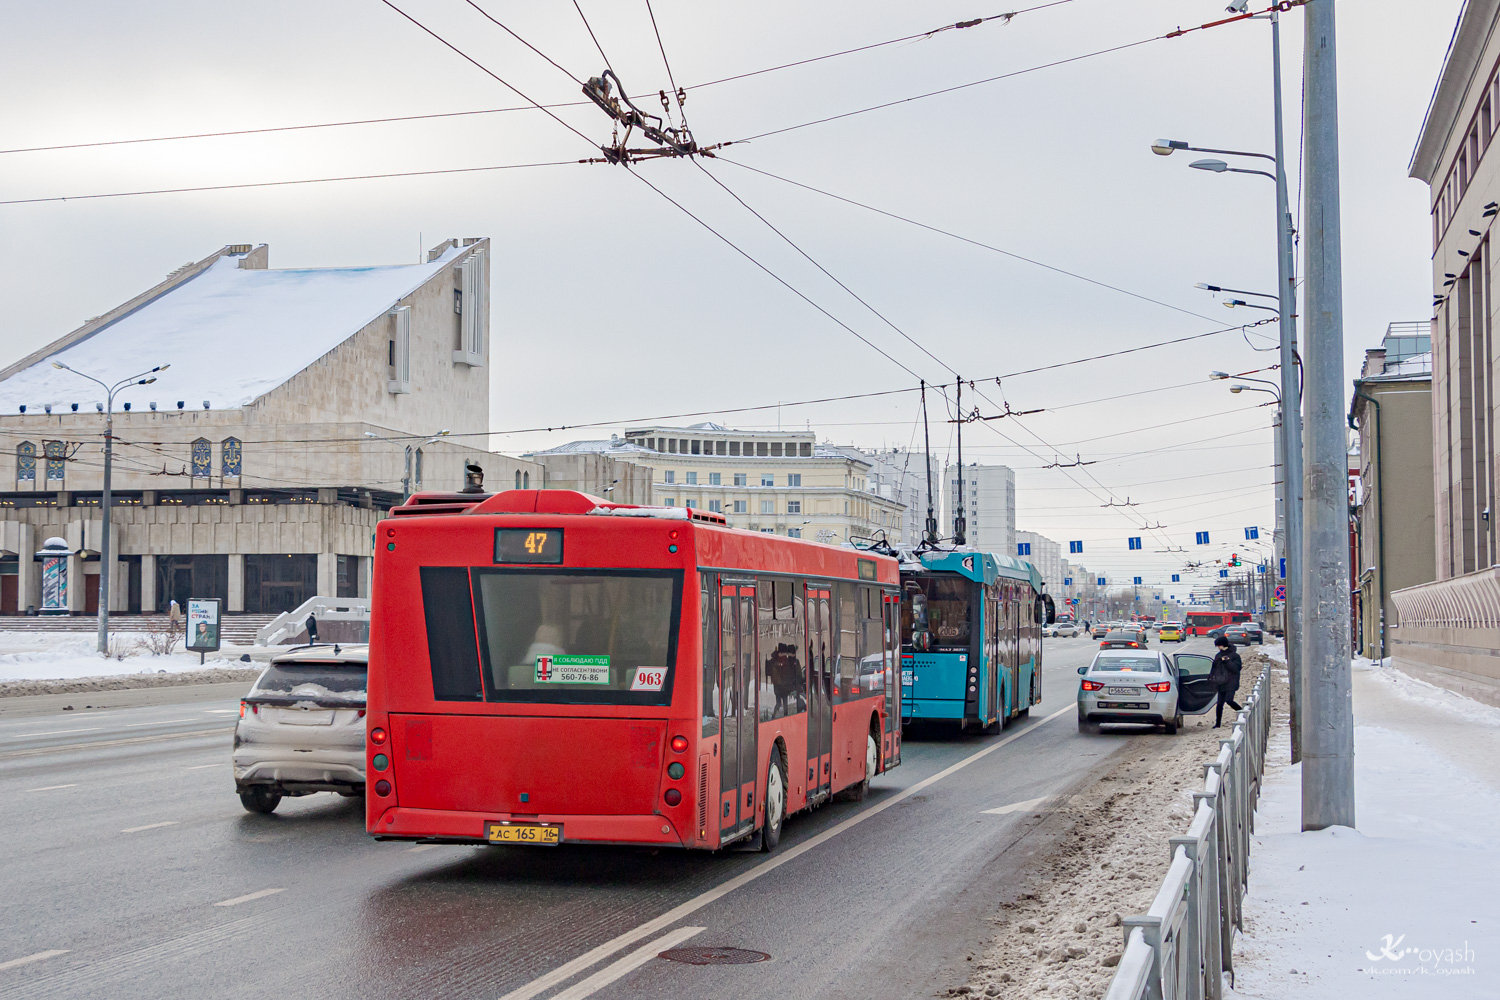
[(63, 655), (1404, 906)]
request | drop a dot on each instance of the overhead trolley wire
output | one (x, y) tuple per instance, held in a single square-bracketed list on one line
[(488, 17), (965, 239), (779, 279), (491, 73), (528, 107), (302, 180)]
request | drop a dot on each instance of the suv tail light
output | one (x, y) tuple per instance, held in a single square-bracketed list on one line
[(1160, 686), (1092, 686)]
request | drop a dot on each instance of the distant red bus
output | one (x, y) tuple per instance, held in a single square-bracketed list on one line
[(1203, 622), (548, 667)]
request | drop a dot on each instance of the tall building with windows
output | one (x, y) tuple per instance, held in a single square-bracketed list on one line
[(1044, 554), (1445, 629), (286, 411), (987, 495), (900, 476), (780, 482)]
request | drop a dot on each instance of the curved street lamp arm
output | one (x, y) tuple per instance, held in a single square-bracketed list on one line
[(1231, 152)]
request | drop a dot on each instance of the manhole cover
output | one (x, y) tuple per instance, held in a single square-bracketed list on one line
[(714, 956)]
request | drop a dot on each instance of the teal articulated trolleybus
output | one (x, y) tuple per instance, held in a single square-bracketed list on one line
[(971, 638)]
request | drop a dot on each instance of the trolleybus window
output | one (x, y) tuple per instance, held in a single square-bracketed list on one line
[(578, 637), (940, 606)]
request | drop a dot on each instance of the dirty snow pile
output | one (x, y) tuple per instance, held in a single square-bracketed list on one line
[(1406, 904), (1062, 936), (45, 656)]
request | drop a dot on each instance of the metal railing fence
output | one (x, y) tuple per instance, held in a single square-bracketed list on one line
[(1181, 946)]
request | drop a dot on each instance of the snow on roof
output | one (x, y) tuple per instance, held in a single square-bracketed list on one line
[(593, 447), (230, 334)]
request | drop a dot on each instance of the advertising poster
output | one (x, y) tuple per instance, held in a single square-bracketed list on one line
[(203, 624)]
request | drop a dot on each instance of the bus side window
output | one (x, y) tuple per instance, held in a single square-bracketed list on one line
[(771, 704), (848, 675), (707, 593)]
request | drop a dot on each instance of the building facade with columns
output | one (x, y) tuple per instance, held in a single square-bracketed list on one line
[(292, 409)]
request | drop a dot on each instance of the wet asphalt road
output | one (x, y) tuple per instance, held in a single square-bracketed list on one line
[(130, 869)]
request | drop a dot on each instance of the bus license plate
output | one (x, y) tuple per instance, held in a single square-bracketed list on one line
[(523, 833)]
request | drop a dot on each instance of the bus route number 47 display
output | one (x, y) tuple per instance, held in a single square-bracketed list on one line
[(528, 545)]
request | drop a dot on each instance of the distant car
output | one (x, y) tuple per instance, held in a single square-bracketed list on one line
[(1143, 687), (1245, 634), (302, 727), (1100, 630), (1121, 639), (1068, 629), (1171, 632)]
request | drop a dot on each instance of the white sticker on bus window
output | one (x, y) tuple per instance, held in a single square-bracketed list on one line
[(648, 679), (565, 669)]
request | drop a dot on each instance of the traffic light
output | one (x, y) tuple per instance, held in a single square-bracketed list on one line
[(1234, 559)]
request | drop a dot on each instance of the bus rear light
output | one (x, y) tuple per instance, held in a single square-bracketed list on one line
[(1160, 686), (377, 736), (1092, 686), (679, 744), (380, 762), (382, 787), (672, 797), (675, 770)]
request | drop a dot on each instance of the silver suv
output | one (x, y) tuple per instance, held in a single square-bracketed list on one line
[(302, 727)]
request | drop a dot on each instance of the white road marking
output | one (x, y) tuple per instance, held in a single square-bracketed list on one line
[(592, 957), (421, 847), (167, 722), (53, 953), (622, 967), (199, 767), (220, 711), (53, 788), (150, 826), (261, 894), (59, 732), (101, 744), (1016, 807)]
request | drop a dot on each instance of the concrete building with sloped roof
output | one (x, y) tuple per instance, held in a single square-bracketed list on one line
[(287, 410)]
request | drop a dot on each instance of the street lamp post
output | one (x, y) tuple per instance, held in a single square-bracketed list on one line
[(104, 501), (1291, 390)]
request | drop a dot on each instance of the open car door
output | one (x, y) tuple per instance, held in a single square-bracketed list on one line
[(1195, 695)]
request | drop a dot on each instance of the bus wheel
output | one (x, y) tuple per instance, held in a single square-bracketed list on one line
[(872, 763), (770, 834)]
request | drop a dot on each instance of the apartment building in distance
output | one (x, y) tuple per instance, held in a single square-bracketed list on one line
[(900, 476), (987, 496), (1043, 553), (780, 482), (1447, 631)]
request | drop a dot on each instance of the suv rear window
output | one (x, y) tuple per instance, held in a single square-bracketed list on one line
[(324, 683), (1133, 664)]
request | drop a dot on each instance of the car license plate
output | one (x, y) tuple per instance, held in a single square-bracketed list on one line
[(1115, 690), (523, 833)]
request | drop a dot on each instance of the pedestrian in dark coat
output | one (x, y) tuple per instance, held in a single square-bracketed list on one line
[(1225, 675)]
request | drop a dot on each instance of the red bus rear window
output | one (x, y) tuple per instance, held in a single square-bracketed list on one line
[(606, 637)]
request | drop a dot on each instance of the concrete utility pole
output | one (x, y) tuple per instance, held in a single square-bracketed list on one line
[(1290, 410), (1327, 706)]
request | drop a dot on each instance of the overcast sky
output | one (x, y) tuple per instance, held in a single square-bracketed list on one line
[(610, 304)]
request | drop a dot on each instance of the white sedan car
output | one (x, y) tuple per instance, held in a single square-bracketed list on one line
[(1069, 629), (1145, 687), (302, 727)]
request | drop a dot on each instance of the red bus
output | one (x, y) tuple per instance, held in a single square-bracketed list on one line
[(550, 667), (1202, 622)]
